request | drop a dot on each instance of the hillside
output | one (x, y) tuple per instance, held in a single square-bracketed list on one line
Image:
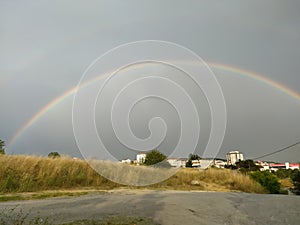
[(30, 174)]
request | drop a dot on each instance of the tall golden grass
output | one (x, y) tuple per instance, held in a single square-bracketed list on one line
[(31, 173), (213, 180), (132, 175)]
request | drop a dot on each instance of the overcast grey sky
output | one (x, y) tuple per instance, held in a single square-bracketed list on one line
[(46, 46)]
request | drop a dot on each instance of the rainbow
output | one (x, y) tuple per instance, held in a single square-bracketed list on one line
[(213, 65), (258, 78)]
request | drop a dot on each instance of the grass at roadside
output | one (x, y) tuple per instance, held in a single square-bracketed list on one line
[(31, 174), (20, 174), (44, 195), (211, 180)]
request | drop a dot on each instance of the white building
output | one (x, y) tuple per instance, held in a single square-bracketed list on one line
[(287, 165), (264, 166), (128, 161), (196, 163), (218, 163), (293, 166), (140, 158), (177, 162), (276, 166), (233, 157)]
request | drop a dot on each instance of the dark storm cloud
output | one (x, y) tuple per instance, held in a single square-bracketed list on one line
[(46, 46)]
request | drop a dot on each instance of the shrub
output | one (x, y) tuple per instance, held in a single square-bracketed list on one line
[(268, 180), (296, 180), (53, 155), (284, 173)]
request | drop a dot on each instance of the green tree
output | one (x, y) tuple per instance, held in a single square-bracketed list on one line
[(192, 157), (247, 166), (2, 147), (156, 157), (53, 155), (189, 164), (268, 180), (284, 173)]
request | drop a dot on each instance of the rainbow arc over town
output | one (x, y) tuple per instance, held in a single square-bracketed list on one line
[(213, 65)]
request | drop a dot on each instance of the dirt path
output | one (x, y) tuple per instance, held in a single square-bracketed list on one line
[(170, 207)]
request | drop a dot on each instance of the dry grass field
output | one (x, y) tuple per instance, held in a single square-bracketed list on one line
[(32, 174)]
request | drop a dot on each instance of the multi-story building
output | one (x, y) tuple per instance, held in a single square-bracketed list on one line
[(140, 158), (233, 157)]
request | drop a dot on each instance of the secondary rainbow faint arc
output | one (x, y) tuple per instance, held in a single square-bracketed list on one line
[(224, 67)]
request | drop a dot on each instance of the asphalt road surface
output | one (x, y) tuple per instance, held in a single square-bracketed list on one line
[(170, 207)]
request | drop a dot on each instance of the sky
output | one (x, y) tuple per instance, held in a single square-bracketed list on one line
[(45, 48)]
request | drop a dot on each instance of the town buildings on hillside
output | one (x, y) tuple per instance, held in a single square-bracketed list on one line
[(232, 158), (180, 162), (276, 166)]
